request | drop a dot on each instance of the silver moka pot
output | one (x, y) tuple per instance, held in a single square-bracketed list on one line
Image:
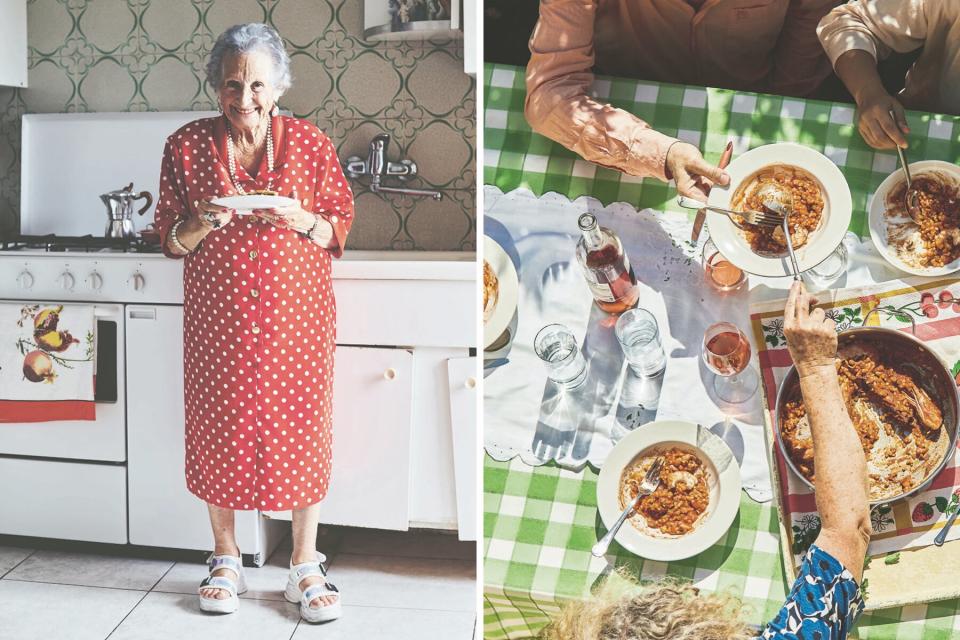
[(120, 211)]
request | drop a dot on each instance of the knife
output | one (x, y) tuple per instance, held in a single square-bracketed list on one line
[(702, 213)]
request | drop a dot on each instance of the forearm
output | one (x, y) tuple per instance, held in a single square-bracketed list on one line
[(558, 104), (837, 453), (841, 471), (858, 71)]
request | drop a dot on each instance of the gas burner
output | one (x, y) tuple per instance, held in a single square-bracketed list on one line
[(83, 244)]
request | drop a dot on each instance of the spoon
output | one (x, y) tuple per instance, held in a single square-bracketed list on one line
[(911, 197), (777, 203)]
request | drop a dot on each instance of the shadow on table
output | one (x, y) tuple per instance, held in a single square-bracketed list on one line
[(569, 418), (696, 568), (638, 402)]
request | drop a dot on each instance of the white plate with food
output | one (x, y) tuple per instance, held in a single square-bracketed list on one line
[(500, 290), (820, 216), (931, 249), (246, 203), (696, 502)]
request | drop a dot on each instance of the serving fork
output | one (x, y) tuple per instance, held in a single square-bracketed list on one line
[(650, 483), (759, 218)]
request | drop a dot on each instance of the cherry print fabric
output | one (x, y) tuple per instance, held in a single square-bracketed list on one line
[(259, 320)]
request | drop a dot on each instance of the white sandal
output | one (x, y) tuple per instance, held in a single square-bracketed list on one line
[(232, 587), (292, 593)]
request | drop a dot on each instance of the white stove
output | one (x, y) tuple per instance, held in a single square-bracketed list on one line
[(71, 271)]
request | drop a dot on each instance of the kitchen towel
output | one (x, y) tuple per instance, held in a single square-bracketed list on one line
[(934, 307), (47, 363)]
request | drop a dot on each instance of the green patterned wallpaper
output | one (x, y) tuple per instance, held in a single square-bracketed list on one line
[(148, 55)]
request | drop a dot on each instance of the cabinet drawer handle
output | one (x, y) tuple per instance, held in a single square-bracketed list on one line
[(471, 383), (390, 374)]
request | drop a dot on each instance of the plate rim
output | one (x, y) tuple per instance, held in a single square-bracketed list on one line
[(666, 550), (503, 313), (727, 237), (876, 210), (286, 200)]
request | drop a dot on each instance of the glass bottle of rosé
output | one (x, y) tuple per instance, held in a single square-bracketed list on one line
[(606, 267)]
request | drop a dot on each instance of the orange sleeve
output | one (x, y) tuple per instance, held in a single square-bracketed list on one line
[(172, 200), (333, 198), (558, 105)]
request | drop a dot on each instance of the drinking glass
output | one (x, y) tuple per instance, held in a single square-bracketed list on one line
[(720, 273), (833, 266), (726, 352), (639, 337), (556, 345)]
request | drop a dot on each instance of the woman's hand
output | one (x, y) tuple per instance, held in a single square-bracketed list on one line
[(876, 126), (694, 175), (811, 335), (212, 216), (296, 218)]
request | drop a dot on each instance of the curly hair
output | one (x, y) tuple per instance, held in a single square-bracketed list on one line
[(622, 609), (243, 38)]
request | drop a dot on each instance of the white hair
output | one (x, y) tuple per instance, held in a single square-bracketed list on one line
[(244, 38)]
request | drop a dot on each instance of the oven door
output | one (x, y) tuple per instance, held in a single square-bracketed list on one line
[(103, 439)]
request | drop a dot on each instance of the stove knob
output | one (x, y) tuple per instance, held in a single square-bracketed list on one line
[(66, 281), (25, 280), (94, 281), (138, 281)]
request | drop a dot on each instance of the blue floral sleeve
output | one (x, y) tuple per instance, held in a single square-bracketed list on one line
[(823, 604)]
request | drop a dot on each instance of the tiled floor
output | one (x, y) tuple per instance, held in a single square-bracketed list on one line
[(401, 586)]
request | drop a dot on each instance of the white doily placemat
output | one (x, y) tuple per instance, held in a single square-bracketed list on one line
[(526, 415)]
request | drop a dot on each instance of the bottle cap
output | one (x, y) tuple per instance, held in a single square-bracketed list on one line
[(587, 222)]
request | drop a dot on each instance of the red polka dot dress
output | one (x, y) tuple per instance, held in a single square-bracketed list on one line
[(259, 320)]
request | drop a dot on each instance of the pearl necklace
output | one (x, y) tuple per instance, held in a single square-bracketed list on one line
[(232, 161)]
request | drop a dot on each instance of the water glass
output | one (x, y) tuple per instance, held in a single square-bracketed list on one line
[(834, 266), (639, 337), (556, 345)]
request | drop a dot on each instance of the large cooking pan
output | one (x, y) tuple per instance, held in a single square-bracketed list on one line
[(925, 367)]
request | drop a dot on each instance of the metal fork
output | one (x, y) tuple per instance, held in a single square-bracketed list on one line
[(779, 208), (759, 218), (650, 483)]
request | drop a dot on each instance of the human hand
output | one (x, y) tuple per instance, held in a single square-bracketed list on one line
[(212, 217), (878, 129), (291, 217), (811, 335), (693, 175)]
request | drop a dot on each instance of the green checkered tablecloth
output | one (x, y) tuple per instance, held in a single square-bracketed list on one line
[(540, 522)]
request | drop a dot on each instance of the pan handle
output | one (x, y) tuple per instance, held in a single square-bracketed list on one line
[(913, 323)]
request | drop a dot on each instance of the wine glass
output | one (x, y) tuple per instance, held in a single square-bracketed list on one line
[(726, 352), (720, 273)]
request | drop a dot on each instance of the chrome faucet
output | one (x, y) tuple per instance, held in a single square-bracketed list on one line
[(378, 167)]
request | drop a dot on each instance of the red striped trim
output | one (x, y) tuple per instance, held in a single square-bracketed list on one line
[(46, 411)]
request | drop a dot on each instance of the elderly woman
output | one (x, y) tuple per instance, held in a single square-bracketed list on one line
[(825, 600), (259, 312)]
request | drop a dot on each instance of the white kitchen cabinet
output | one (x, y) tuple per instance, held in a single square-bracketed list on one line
[(470, 40), (13, 43), (163, 512), (372, 395), (462, 375)]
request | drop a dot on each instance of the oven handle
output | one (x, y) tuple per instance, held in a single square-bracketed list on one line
[(143, 313)]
